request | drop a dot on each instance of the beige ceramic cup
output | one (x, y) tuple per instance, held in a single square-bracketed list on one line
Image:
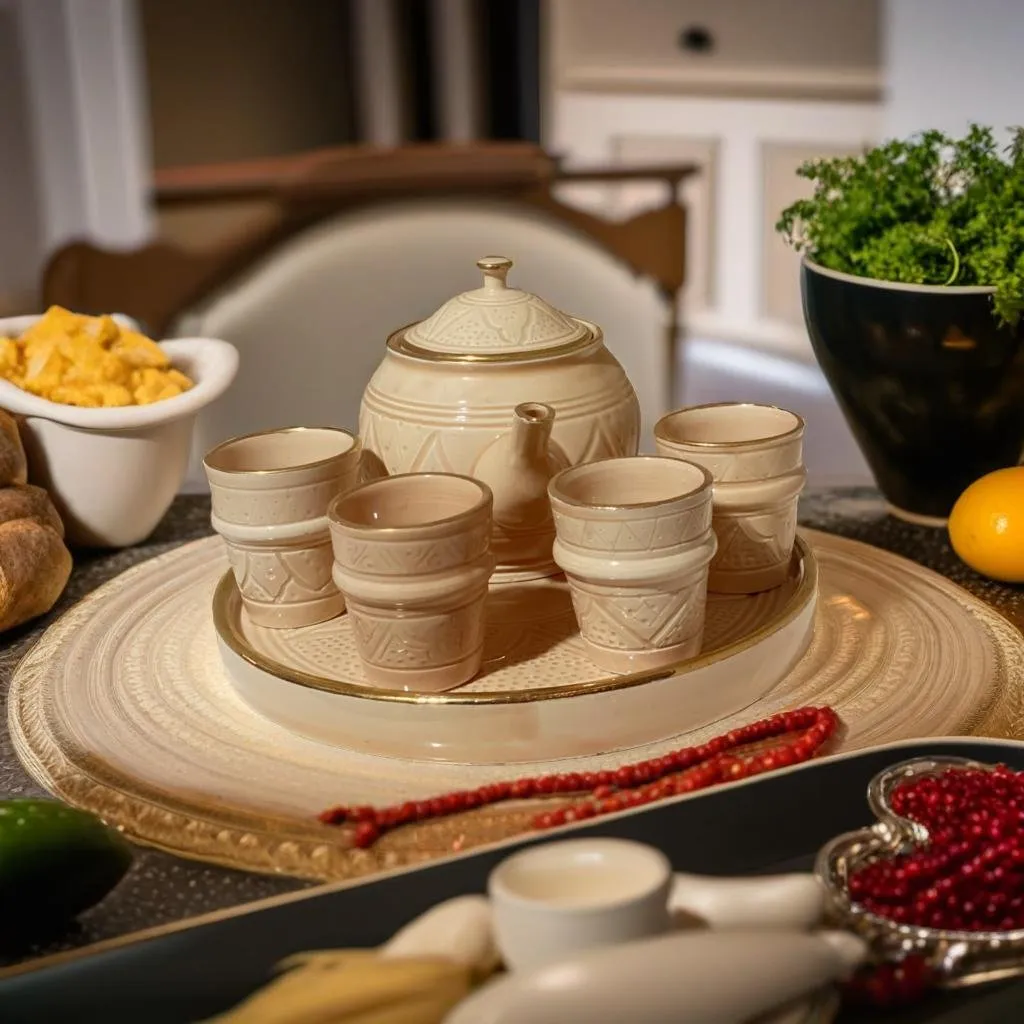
[(634, 539), (270, 493), (412, 554), (755, 455)]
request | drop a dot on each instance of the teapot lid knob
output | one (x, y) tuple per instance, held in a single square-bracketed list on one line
[(495, 270)]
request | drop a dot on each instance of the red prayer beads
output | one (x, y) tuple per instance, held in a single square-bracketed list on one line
[(891, 984), (682, 771), (970, 876)]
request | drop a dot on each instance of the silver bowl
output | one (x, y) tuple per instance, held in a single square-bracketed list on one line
[(957, 958)]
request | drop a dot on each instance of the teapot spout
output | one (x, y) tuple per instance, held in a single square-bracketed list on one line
[(531, 431), (517, 468)]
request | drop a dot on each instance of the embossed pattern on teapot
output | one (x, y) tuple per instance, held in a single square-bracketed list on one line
[(447, 394)]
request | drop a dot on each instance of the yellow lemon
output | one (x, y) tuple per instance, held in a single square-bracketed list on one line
[(986, 526)]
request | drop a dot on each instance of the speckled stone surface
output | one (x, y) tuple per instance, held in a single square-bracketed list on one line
[(161, 888)]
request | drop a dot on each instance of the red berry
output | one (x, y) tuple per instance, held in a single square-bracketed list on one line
[(966, 878)]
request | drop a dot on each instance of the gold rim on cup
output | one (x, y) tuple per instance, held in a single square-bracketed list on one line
[(219, 450), (557, 485), (661, 431), (484, 500)]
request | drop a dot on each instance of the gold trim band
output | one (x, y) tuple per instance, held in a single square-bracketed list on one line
[(397, 343)]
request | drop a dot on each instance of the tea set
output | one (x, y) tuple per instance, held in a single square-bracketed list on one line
[(498, 443)]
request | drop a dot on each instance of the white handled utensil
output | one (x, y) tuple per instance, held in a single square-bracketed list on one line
[(701, 977), (794, 902)]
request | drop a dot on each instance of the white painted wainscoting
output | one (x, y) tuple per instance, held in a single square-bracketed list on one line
[(744, 283)]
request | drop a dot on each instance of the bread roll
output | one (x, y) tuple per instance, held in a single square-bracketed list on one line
[(34, 563), (13, 465), (34, 569), (29, 502)]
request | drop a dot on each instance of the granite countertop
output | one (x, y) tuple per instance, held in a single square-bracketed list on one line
[(161, 888)]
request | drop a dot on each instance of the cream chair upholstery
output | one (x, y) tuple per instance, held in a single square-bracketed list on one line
[(311, 319)]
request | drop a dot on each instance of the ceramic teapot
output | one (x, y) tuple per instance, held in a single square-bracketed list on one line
[(501, 386)]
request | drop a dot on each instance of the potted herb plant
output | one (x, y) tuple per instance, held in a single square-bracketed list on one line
[(913, 292)]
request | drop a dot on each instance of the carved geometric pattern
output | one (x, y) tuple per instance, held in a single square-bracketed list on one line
[(431, 457), (368, 433), (417, 642), (285, 504), (414, 557), (289, 576), (634, 620), (761, 464), (442, 442), (648, 534), (756, 541), (605, 441), (514, 320)]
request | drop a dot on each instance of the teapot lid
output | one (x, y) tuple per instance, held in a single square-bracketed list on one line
[(495, 321)]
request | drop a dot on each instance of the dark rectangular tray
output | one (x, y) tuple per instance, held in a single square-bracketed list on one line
[(773, 823)]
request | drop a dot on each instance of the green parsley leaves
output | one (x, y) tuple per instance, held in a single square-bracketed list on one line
[(927, 210)]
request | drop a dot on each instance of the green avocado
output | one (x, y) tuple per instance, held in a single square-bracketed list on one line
[(55, 862)]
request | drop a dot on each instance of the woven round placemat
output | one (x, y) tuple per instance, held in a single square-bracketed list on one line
[(123, 708)]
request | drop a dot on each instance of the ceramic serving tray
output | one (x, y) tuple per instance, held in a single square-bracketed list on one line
[(538, 696), (125, 708), (188, 972)]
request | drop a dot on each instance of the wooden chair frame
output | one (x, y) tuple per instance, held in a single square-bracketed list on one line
[(159, 281)]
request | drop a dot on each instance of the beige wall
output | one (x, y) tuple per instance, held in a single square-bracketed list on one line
[(980, 41), (780, 264), (21, 240), (233, 79)]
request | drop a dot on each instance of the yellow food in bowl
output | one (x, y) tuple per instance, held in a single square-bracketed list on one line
[(986, 526), (89, 361)]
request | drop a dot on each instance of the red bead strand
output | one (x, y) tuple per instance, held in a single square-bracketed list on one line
[(970, 876), (890, 985), (686, 770)]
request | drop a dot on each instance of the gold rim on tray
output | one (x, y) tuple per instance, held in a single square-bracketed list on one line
[(226, 618)]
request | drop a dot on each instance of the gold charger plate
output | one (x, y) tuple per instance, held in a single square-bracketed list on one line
[(124, 708)]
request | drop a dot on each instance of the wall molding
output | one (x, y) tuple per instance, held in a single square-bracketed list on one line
[(826, 84), (584, 126)]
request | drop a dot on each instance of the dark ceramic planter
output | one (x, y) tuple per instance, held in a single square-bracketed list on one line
[(931, 386)]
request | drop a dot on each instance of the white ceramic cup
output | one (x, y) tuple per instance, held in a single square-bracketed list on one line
[(270, 492), (634, 539), (755, 456), (555, 900)]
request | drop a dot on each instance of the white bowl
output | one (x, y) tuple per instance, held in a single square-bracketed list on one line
[(113, 473)]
